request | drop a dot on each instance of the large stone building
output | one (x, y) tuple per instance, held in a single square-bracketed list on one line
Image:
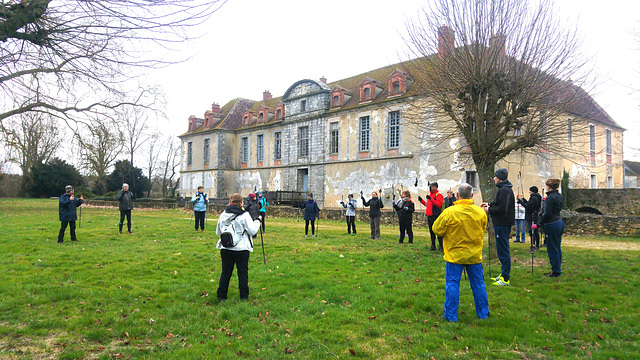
[(351, 135)]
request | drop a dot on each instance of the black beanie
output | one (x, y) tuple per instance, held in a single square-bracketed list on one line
[(533, 189), (502, 174)]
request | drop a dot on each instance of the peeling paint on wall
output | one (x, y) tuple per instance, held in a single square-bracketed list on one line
[(246, 180), (276, 182)]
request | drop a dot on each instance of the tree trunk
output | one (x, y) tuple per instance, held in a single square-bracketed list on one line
[(488, 189)]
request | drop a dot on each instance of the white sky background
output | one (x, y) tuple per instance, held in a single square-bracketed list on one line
[(255, 45)]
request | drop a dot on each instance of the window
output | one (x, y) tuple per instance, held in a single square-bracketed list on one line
[(189, 153), (592, 142), (260, 117), (594, 181), (245, 120), (471, 178), (394, 129), (610, 182), (279, 114), (364, 133), (570, 130), (336, 100), (334, 137), (303, 106), (277, 145), (303, 141), (260, 148), (367, 93), (205, 151), (608, 146), (245, 150), (396, 87)]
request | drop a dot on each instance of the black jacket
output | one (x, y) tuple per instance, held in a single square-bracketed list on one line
[(551, 207), (503, 207), (405, 209), (311, 210), (448, 201), (252, 207), (374, 204), (125, 199), (67, 208), (532, 207)]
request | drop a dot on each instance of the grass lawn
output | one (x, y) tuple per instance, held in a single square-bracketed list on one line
[(152, 295)]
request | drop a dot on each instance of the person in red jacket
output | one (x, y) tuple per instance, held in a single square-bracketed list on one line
[(434, 208)]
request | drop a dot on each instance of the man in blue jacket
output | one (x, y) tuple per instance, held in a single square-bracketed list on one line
[(67, 212), (200, 202)]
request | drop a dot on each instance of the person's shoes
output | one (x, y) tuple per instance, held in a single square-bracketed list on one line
[(306, 235), (543, 245), (377, 238), (354, 234), (410, 243), (433, 248), (130, 232), (501, 282), (314, 235), (537, 247), (440, 249), (120, 232), (516, 241), (399, 242), (202, 230), (59, 242), (372, 238), (196, 230), (498, 278), (554, 275), (76, 240), (222, 299)]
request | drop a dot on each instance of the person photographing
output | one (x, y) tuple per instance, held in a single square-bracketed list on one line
[(67, 205), (200, 202), (125, 204)]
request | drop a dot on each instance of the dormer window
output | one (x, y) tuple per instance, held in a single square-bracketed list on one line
[(369, 90), (367, 94), (261, 117), (245, 120), (397, 83), (339, 96), (279, 110), (336, 100), (303, 106), (279, 114)]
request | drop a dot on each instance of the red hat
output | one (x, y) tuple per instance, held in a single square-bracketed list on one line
[(252, 195)]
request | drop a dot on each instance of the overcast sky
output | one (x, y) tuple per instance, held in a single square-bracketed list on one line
[(256, 45)]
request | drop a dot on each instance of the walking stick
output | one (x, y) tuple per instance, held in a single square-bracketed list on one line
[(264, 258), (489, 237), (80, 219)]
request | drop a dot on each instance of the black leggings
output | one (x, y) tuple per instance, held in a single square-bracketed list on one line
[(306, 227), (63, 227), (351, 223), (122, 215), (406, 227), (199, 215)]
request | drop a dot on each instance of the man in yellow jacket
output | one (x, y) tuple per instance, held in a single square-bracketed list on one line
[(462, 227)]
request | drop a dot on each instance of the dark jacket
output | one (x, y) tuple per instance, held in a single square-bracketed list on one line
[(503, 207), (374, 204), (125, 199), (448, 201), (253, 208), (532, 207), (311, 209), (67, 208), (551, 207), (405, 209)]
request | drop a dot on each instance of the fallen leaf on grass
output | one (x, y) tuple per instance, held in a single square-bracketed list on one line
[(372, 317), (204, 293), (288, 351), (169, 336), (454, 337), (126, 334), (600, 337), (353, 352), (527, 290)]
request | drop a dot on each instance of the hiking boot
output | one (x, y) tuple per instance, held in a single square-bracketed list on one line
[(554, 275), (306, 235), (314, 235), (440, 249), (501, 282), (120, 232), (433, 248)]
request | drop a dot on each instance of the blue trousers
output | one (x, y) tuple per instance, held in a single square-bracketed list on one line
[(553, 234), (520, 230), (502, 245), (452, 290)]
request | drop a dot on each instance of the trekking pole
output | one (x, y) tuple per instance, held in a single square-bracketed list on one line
[(264, 258), (80, 217), (489, 237)]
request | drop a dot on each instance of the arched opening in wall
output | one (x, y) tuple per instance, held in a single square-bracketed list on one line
[(588, 210)]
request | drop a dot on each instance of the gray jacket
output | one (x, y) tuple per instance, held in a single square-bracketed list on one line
[(125, 199)]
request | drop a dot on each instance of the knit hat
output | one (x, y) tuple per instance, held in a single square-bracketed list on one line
[(68, 189), (310, 195), (252, 195), (533, 189), (259, 193), (502, 174), (125, 184)]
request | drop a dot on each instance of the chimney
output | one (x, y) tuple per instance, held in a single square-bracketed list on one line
[(323, 79), (215, 108), (446, 40), (266, 95), (499, 42)]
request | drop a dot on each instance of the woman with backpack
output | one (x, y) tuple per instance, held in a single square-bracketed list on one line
[(235, 228)]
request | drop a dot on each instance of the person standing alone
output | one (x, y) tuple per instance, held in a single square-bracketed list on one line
[(374, 204), (503, 215), (125, 204), (200, 202), (350, 214), (67, 205), (311, 213)]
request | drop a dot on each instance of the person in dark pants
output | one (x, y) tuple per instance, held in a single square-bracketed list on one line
[(350, 214), (503, 215), (434, 208), (200, 202), (532, 208), (374, 204), (553, 226), (262, 208), (405, 209), (67, 213), (311, 213), (125, 204), (242, 227)]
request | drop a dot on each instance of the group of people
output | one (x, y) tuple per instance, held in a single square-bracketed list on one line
[(68, 215)]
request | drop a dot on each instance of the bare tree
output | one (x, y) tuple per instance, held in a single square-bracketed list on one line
[(135, 129), (498, 76), (69, 57), (32, 139), (170, 165), (155, 147), (99, 150)]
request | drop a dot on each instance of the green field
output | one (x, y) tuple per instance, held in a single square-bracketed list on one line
[(152, 295)]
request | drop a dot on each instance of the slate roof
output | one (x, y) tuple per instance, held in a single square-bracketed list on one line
[(632, 168)]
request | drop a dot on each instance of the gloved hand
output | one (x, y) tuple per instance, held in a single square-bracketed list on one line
[(534, 226), (361, 193), (419, 198), (428, 197), (406, 208), (341, 202)]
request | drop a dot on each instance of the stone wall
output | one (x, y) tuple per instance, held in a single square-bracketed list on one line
[(590, 224), (610, 202)]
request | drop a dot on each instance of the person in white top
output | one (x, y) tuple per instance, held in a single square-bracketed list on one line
[(520, 211), (244, 227)]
